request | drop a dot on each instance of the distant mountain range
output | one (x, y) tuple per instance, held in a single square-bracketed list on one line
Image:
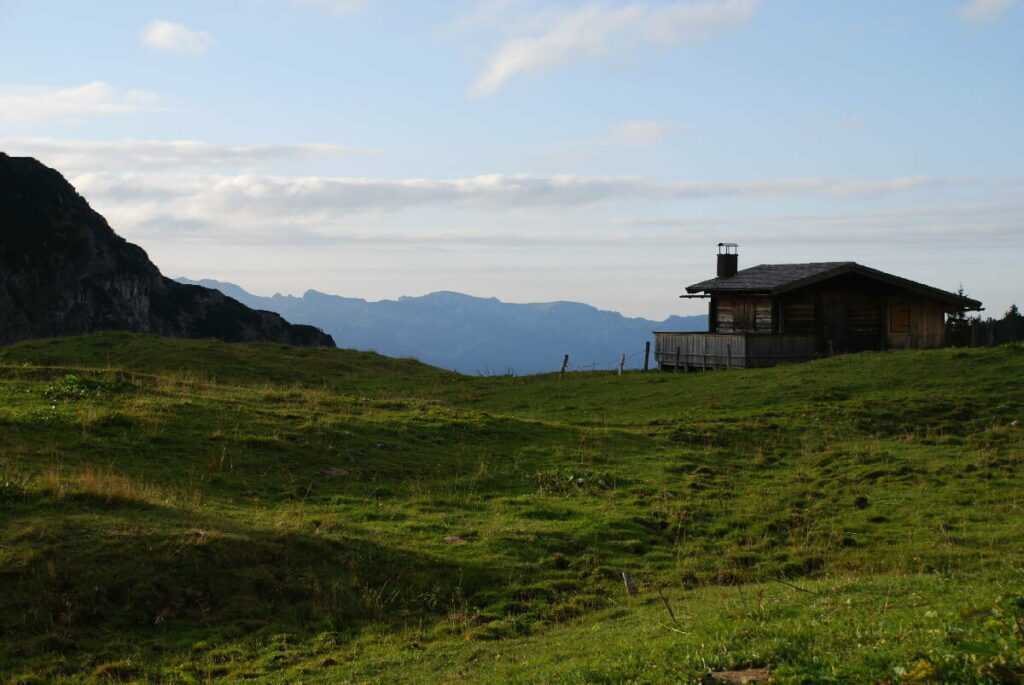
[(472, 334)]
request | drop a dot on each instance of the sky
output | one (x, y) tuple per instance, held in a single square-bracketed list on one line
[(594, 151)]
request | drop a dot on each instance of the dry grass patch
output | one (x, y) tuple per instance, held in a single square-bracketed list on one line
[(102, 485)]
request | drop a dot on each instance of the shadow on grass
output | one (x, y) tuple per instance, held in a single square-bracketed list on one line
[(78, 568)]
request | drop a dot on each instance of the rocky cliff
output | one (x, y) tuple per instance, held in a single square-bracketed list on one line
[(63, 271)]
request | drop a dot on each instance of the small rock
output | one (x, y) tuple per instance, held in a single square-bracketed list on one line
[(335, 471), (749, 675), (977, 614), (455, 540), (1015, 422)]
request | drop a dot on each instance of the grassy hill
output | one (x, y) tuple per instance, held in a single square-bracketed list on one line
[(181, 511)]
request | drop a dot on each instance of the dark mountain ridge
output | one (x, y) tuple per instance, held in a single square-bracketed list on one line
[(472, 334), (63, 271)]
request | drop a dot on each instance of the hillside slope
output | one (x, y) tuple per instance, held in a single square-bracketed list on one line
[(473, 334), (63, 271), (365, 519)]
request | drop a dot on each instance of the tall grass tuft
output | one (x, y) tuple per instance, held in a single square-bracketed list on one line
[(102, 485)]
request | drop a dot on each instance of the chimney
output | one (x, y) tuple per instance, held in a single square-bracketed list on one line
[(728, 259)]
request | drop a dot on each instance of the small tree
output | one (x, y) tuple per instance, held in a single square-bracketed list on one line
[(1011, 327), (958, 325)]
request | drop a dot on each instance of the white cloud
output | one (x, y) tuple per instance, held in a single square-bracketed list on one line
[(335, 6), (171, 36), (31, 104), (137, 155), (593, 30), (985, 10)]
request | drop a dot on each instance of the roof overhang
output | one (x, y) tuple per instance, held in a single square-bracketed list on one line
[(955, 302)]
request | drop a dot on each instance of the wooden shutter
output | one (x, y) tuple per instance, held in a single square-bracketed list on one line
[(899, 318)]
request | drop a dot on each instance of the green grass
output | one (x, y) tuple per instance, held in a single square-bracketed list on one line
[(186, 511)]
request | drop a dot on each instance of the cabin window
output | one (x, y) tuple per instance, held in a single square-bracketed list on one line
[(743, 311), (899, 318)]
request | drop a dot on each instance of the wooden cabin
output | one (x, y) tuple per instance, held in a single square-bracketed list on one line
[(794, 312)]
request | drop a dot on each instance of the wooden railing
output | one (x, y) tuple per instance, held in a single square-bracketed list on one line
[(702, 351)]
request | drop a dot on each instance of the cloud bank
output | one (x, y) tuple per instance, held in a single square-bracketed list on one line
[(152, 155), (272, 210), (316, 198), (249, 209), (35, 104)]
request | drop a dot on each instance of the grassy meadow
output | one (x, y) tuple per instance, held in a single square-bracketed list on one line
[(185, 511)]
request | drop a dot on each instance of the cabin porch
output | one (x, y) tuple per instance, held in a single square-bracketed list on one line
[(703, 351)]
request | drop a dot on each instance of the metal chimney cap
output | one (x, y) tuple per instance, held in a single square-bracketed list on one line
[(729, 248)]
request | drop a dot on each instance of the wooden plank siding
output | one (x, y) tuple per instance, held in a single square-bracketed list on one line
[(915, 322), (742, 314), (863, 322), (858, 315), (798, 316), (762, 315), (769, 350), (846, 314)]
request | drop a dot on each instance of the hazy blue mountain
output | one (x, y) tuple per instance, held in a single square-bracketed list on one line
[(472, 334)]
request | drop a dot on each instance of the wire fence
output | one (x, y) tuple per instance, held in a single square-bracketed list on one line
[(610, 365), (634, 361)]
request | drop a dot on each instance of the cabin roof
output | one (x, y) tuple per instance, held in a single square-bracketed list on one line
[(775, 279)]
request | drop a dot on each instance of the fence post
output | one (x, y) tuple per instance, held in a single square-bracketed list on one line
[(675, 369), (728, 355), (831, 349), (622, 362), (565, 363), (630, 584), (647, 354)]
